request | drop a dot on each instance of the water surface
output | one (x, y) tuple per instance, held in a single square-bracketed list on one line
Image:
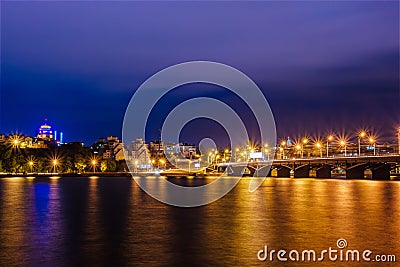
[(110, 221)]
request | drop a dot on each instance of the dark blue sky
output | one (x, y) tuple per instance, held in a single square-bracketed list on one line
[(321, 65)]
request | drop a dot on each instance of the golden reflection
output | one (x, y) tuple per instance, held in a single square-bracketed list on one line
[(13, 207)]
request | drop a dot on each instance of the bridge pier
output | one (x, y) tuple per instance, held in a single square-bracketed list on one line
[(235, 170), (302, 171), (263, 171), (325, 171), (283, 171), (381, 172), (355, 171)]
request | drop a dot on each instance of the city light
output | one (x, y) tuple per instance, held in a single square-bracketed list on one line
[(31, 165), (319, 146), (15, 141), (343, 144), (94, 163), (328, 139), (372, 142), (55, 163), (361, 135), (398, 140)]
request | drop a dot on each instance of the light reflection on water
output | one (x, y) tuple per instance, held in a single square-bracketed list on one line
[(111, 221)]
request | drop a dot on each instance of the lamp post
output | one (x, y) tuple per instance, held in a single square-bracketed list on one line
[(31, 165), (55, 162), (189, 165), (303, 143), (226, 151), (282, 149), (299, 148), (343, 143), (372, 142), (267, 152), (236, 151), (361, 135), (94, 162), (319, 146), (398, 139), (329, 139), (162, 163)]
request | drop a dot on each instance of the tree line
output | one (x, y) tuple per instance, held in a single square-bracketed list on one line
[(66, 158)]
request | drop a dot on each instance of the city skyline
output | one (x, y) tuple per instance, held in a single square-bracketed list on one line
[(324, 66)]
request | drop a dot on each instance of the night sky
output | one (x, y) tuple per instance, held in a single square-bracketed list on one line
[(321, 65)]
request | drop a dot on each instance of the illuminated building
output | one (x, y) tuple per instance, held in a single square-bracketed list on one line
[(139, 154), (110, 148), (45, 132)]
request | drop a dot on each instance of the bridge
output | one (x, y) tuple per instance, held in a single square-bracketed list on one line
[(380, 167)]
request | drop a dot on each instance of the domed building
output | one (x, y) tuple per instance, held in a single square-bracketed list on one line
[(46, 132)]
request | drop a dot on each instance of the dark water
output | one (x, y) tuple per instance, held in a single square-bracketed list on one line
[(110, 221)]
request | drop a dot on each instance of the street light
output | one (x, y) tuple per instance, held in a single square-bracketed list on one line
[(329, 139), (236, 151), (209, 156), (55, 162), (94, 162), (298, 147), (162, 163), (226, 151), (343, 143), (282, 149), (398, 138), (319, 146), (267, 152), (15, 140), (303, 143), (372, 142), (31, 165), (361, 135)]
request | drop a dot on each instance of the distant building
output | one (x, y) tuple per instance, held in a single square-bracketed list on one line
[(160, 148), (139, 155), (157, 148), (111, 147), (46, 136), (45, 132)]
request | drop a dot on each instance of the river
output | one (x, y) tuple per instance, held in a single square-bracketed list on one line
[(104, 221)]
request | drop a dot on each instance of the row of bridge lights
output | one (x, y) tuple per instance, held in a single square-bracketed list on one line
[(320, 145), (343, 142)]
